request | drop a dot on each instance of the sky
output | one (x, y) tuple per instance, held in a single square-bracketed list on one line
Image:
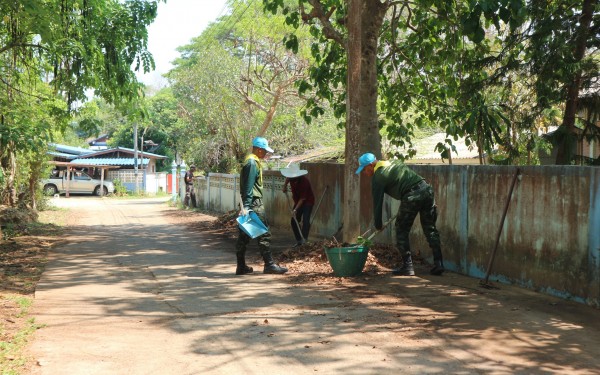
[(177, 22)]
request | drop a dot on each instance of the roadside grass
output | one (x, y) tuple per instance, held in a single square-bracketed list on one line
[(133, 195), (15, 332), (23, 257)]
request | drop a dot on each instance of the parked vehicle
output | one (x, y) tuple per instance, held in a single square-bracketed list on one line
[(79, 183)]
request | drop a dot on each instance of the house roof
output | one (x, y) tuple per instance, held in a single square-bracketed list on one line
[(70, 150), (109, 161), (65, 151), (96, 153), (62, 155), (309, 155), (148, 154), (69, 164), (100, 139), (426, 148)]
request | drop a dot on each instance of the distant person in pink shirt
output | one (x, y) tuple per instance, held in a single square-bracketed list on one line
[(304, 200)]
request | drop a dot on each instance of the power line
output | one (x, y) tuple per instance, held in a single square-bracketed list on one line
[(211, 37)]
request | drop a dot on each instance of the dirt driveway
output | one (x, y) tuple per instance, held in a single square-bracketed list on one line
[(138, 291)]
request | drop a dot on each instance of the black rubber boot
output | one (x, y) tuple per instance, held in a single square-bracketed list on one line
[(271, 266), (438, 263), (407, 268), (242, 268), (438, 268)]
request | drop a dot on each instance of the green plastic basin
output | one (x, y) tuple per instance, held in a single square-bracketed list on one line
[(347, 261)]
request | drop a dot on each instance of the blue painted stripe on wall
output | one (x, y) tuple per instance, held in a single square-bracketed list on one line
[(594, 231), (464, 219)]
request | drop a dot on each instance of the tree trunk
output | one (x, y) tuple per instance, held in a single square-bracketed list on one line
[(36, 168), (372, 16), (10, 168), (269, 114), (362, 131), (563, 155)]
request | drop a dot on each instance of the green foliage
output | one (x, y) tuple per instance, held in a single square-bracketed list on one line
[(25, 131), (120, 189), (8, 232), (481, 13), (82, 44), (51, 53), (236, 81), (361, 241), (43, 201), (548, 45), (213, 119), (452, 66), (155, 117)]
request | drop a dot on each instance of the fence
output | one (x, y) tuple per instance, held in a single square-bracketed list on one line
[(550, 240), (155, 182)]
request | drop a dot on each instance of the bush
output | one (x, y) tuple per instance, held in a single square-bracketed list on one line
[(120, 189)]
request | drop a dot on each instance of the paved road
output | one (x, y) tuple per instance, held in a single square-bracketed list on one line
[(131, 294)]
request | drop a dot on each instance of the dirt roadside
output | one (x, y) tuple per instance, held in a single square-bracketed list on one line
[(524, 331), (436, 320), (22, 261)]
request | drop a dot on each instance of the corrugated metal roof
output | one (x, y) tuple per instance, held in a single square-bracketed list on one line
[(70, 149), (109, 161), (139, 152), (62, 155), (74, 152), (426, 147)]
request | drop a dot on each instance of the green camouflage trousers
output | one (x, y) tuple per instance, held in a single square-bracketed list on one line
[(417, 202), (264, 241)]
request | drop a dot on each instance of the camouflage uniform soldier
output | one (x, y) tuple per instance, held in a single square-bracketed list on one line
[(251, 185), (398, 181)]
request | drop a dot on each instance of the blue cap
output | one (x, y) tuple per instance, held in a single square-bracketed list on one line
[(364, 160), (261, 142)]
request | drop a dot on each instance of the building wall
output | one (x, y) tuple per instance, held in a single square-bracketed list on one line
[(550, 240), (590, 149), (155, 182)]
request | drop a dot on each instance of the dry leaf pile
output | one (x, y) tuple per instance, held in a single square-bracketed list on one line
[(307, 262)]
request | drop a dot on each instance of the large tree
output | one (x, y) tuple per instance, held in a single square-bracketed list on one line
[(346, 54), (563, 34), (235, 81), (451, 64)]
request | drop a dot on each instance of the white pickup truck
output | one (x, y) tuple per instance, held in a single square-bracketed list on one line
[(79, 183)]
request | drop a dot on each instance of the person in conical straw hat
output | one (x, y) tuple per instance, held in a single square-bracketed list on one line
[(303, 199), (251, 189)]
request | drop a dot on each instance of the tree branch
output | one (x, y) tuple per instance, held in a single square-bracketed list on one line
[(319, 13), (14, 45), (250, 101), (21, 91)]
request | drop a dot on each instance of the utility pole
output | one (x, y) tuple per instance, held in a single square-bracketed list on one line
[(143, 166), (135, 157)]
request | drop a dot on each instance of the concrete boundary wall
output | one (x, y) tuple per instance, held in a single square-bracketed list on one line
[(155, 181), (550, 240)]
